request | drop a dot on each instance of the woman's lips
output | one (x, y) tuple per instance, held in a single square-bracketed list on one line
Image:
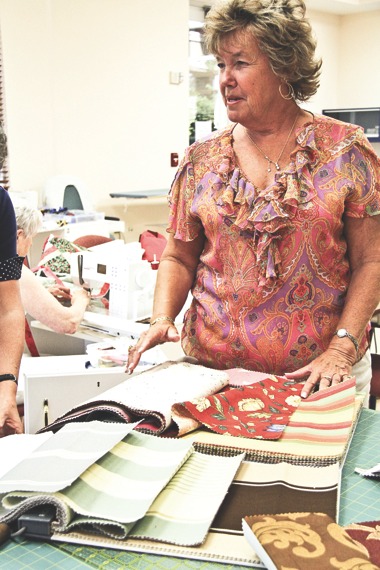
[(233, 100)]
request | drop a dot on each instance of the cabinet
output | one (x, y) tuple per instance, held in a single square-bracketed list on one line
[(368, 118)]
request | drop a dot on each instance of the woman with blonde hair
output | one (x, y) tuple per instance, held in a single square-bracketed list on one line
[(274, 221)]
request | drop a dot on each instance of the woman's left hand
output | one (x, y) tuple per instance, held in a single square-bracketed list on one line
[(330, 368)]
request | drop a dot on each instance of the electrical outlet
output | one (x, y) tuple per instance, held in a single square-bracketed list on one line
[(174, 159)]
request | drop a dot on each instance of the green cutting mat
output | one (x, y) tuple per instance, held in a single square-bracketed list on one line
[(27, 555), (360, 501), (360, 496)]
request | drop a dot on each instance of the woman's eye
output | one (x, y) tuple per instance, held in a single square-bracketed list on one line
[(241, 63), (220, 65)]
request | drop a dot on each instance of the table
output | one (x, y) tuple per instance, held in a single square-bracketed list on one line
[(360, 501)]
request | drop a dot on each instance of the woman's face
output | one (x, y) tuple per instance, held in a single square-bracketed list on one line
[(23, 243), (247, 83)]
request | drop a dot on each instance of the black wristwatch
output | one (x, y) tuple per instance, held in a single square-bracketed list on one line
[(341, 333), (4, 377)]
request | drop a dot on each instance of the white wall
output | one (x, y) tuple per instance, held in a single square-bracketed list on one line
[(349, 46), (87, 88), (359, 76), (326, 28), (87, 92)]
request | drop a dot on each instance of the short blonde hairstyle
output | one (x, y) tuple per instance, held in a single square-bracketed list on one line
[(29, 220), (283, 34)]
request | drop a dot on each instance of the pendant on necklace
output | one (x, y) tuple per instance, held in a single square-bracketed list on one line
[(277, 166)]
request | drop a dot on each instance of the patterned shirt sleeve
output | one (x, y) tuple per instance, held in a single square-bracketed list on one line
[(364, 200), (182, 223)]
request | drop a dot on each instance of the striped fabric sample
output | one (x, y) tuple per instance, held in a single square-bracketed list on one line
[(123, 484), (318, 432), (257, 488), (184, 510), (117, 491), (58, 461)]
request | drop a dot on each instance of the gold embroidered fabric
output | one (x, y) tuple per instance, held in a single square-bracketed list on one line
[(305, 541)]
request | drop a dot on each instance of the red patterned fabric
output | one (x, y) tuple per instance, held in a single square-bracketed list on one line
[(261, 410), (367, 534)]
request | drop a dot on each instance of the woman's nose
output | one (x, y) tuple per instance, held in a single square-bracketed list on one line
[(227, 77)]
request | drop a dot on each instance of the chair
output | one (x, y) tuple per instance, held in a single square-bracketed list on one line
[(67, 191), (90, 240)]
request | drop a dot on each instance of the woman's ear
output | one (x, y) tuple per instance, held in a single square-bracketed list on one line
[(19, 232)]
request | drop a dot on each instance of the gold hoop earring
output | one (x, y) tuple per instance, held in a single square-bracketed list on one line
[(290, 94)]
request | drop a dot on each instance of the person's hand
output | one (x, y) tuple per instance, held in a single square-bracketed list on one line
[(10, 422), (80, 294), (60, 292), (157, 334), (330, 368)]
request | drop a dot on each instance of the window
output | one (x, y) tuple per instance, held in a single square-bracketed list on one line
[(203, 73)]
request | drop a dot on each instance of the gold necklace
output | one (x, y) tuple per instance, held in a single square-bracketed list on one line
[(270, 161)]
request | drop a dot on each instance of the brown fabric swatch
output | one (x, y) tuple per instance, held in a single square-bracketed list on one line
[(305, 541)]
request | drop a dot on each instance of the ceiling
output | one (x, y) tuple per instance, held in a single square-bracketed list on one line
[(343, 6), (332, 6)]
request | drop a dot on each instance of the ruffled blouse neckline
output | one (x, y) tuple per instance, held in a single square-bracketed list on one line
[(266, 214)]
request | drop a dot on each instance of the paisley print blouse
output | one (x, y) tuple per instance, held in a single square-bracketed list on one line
[(273, 276)]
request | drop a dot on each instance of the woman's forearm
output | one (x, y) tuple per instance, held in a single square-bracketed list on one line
[(362, 298), (12, 332), (44, 307), (176, 275), (174, 282)]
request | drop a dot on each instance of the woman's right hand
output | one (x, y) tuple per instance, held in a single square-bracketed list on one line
[(159, 333), (60, 292), (10, 422), (80, 295)]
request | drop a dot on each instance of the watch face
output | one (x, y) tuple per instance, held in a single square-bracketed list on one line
[(341, 332)]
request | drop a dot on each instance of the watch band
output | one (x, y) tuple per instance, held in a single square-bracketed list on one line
[(341, 333), (4, 377)]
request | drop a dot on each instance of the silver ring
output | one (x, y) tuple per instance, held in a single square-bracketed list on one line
[(327, 377)]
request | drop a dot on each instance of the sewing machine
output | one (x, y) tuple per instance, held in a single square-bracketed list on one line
[(132, 282), (131, 279)]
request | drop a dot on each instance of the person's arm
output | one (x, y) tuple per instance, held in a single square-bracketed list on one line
[(12, 335), (175, 277), (363, 294), (44, 307)]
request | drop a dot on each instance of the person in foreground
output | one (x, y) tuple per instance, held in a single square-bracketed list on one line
[(274, 221), (39, 302), (12, 327)]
